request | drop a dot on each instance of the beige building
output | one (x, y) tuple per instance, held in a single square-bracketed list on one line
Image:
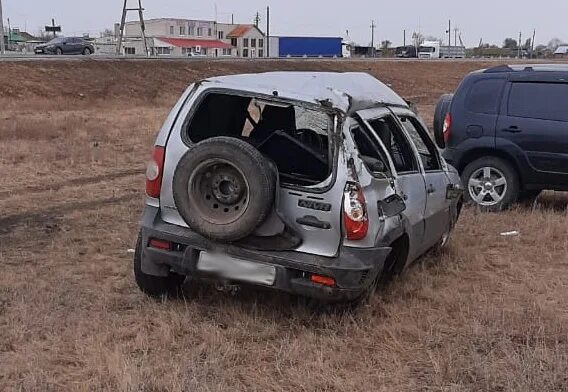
[(186, 37), (248, 40)]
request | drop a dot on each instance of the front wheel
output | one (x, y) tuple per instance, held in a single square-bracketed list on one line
[(59, 51), (156, 286), (87, 52), (491, 183)]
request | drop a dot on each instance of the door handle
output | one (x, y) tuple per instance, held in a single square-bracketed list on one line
[(512, 129), (431, 189)]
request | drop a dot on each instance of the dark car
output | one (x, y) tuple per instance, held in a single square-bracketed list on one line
[(506, 131), (406, 52), (66, 45)]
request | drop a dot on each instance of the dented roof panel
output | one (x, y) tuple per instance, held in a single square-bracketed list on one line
[(348, 92)]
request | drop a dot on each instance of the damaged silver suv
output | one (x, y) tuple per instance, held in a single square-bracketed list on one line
[(316, 184)]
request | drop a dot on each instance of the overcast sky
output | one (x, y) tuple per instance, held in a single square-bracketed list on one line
[(492, 20)]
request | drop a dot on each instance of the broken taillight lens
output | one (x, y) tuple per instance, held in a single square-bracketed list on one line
[(154, 172), (355, 218), (447, 129)]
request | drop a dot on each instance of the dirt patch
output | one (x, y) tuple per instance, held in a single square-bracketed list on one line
[(491, 314)]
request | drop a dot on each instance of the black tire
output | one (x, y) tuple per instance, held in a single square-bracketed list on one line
[(201, 199), (439, 115), (87, 52), (510, 193), (156, 286), (395, 262), (59, 51)]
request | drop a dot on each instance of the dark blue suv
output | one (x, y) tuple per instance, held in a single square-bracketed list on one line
[(506, 131)]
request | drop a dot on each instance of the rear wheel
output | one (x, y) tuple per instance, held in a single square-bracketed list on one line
[(156, 286), (491, 183)]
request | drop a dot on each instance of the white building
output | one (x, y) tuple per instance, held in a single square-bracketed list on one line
[(185, 37)]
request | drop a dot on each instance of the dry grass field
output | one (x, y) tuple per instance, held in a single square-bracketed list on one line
[(490, 315)]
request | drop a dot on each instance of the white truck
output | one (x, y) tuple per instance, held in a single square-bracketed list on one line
[(429, 50)]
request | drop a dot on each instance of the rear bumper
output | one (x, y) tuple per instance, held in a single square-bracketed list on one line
[(353, 269)]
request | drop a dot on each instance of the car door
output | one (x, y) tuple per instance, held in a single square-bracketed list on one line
[(409, 180), (67, 46), (535, 120), (437, 210)]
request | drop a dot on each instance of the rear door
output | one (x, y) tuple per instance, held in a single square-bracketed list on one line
[(408, 176), (437, 211), (474, 112), (535, 119)]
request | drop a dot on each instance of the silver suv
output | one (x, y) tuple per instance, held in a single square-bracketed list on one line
[(317, 184)]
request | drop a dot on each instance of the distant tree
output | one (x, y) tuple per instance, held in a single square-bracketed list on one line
[(528, 44), (386, 44), (107, 33), (510, 43), (417, 39), (433, 38), (554, 44)]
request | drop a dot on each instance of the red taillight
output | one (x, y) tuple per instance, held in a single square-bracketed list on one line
[(323, 280), (160, 244), (447, 130), (154, 172), (355, 216)]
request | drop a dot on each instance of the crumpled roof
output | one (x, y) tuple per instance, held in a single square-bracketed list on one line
[(348, 92)]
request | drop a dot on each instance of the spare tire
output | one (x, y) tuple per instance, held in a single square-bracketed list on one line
[(224, 188), (442, 109)]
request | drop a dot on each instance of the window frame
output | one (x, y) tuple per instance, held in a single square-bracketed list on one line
[(507, 102), (370, 115), (355, 123), (426, 139)]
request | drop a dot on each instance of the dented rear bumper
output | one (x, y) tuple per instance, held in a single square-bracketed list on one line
[(353, 270)]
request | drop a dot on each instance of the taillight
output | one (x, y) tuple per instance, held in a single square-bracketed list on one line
[(154, 172), (447, 129), (355, 216)]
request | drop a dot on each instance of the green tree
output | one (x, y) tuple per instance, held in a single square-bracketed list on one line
[(510, 43)]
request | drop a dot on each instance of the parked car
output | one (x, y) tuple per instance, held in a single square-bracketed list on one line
[(506, 130), (66, 45), (316, 184)]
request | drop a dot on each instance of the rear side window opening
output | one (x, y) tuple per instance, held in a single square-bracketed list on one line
[(294, 137), (484, 96)]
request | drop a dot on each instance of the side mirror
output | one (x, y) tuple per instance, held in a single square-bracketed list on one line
[(392, 206)]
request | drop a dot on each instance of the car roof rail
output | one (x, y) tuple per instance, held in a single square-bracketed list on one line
[(499, 68), (529, 68)]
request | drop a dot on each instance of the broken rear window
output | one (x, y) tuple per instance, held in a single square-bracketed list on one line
[(294, 137)]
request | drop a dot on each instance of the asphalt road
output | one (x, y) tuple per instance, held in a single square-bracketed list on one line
[(32, 57)]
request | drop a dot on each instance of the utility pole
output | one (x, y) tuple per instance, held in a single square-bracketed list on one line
[(373, 27), (233, 19), (519, 45), (456, 36), (403, 37), (125, 10), (2, 44), (449, 32), (267, 31), (532, 42)]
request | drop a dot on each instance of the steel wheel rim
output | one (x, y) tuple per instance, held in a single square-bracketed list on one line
[(487, 186), (219, 191)]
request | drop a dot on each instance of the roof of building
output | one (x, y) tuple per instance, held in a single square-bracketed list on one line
[(240, 31), (562, 49), (348, 92), (192, 43)]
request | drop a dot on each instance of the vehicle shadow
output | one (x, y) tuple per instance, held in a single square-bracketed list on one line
[(552, 201)]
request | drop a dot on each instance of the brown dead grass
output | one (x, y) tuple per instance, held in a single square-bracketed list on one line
[(489, 315)]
